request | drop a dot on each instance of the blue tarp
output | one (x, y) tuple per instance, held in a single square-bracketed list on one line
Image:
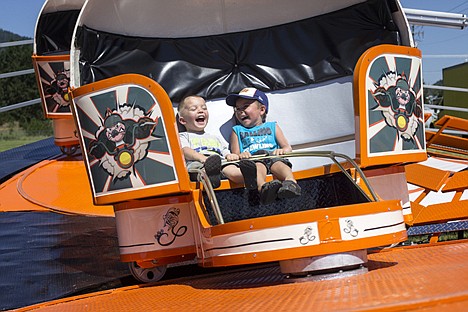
[(17, 159)]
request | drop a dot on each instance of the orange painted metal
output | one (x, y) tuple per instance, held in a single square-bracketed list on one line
[(439, 143), (326, 214), (182, 185), (432, 179), (454, 210), (427, 177), (328, 227), (423, 278), (457, 182), (52, 59), (11, 200), (448, 122), (360, 108), (304, 252), (41, 188), (452, 122), (448, 145), (152, 202), (161, 258), (381, 178)]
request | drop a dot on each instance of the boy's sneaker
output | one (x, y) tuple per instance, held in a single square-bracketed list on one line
[(289, 189), (269, 192), (213, 170), (249, 172)]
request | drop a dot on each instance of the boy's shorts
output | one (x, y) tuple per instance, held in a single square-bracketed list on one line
[(268, 162)]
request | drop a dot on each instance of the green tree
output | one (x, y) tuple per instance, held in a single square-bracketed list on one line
[(20, 88)]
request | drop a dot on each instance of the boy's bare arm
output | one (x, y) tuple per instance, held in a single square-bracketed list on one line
[(235, 149), (285, 147), (234, 143), (191, 154)]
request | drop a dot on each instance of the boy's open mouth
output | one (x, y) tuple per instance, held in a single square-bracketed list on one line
[(200, 119)]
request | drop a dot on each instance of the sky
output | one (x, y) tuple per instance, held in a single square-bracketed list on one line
[(441, 47)]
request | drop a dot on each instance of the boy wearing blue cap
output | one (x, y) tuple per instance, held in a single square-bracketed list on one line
[(255, 136)]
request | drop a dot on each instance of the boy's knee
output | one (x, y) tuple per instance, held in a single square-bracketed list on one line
[(279, 165), (231, 171), (261, 167)]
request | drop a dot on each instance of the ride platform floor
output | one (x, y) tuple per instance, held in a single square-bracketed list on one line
[(424, 278), (41, 186)]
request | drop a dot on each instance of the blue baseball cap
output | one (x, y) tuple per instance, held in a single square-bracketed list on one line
[(248, 93)]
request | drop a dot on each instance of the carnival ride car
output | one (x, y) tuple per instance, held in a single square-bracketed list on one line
[(51, 60), (135, 72)]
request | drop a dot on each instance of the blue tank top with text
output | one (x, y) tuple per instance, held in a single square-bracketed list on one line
[(262, 137)]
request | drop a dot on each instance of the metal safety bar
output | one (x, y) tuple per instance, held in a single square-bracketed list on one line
[(332, 155), (203, 177)]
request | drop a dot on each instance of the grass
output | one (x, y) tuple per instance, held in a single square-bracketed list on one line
[(12, 135), (6, 145), (449, 236)]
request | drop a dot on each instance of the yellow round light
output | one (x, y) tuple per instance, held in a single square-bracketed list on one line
[(125, 158), (401, 122)]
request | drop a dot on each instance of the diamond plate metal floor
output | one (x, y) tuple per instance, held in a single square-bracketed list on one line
[(429, 278)]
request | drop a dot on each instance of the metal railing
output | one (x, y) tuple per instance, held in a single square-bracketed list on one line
[(203, 177), (435, 18), (18, 73), (16, 43)]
